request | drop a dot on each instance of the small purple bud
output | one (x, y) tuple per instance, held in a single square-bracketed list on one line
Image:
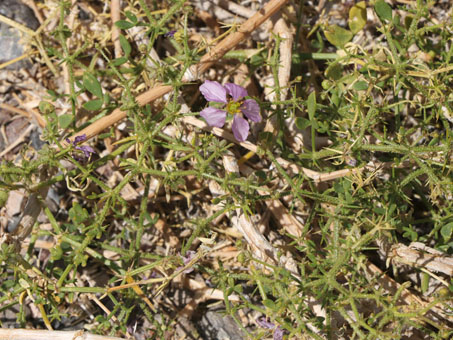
[(170, 34), (351, 162), (79, 139)]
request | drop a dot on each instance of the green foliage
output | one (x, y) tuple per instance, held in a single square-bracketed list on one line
[(383, 10), (357, 17), (382, 115), (337, 35), (92, 84)]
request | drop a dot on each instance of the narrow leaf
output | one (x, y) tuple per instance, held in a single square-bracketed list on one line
[(446, 231), (124, 25), (125, 45), (311, 105)]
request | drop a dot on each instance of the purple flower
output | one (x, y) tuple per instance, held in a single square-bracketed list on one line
[(235, 105), (263, 323), (170, 34), (278, 331), (190, 254), (87, 150)]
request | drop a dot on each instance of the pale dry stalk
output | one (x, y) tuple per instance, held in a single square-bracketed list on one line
[(71, 20), (28, 334), (115, 7), (31, 115), (205, 63), (431, 260), (281, 29), (385, 282), (234, 8)]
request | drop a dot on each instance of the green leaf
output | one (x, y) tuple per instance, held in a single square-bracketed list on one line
[(357, 17), (78, 214), (124, 25), (270, 304), (360, 86), (3, 197), (302, 123), (337, 36), (64, 120), (425, 282), (93, 105), (46, 108), (131, 17), (446, 231), (119, 61), (91, 84), (311, 105), (334, 71), (125, 45), (383, 10)]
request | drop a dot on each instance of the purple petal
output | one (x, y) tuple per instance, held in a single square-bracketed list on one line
[(79, 139), (213, 92), (240, 128), (278, 334), (251, 109), (87, 150), (214, 117), (263, 323), (236, 91), (190, 254), (170, 34)]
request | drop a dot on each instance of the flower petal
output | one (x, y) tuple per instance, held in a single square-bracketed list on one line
[(79, 139), (170, 34), (263, 323), (251, 109), (213, 116), (87, 150), (240, 128), (236, 91), (213, 92), (278, 334)]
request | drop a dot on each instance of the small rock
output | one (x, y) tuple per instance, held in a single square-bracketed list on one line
[(11, 38), (214, 325), (14, 204)]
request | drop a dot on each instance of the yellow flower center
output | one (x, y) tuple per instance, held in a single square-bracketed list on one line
[(233, 107)]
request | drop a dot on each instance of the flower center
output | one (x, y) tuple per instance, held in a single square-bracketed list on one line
[(233, 107)]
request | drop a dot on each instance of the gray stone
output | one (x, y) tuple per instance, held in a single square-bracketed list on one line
[(10, 38), (216, 326)]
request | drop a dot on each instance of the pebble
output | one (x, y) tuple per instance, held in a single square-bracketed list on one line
[(11, 39)]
